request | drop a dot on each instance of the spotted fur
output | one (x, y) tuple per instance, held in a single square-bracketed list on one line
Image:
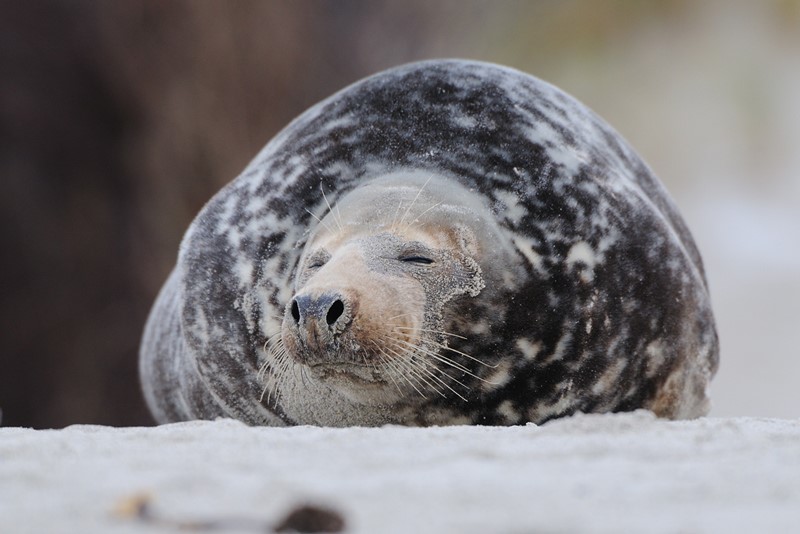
[(612, 312)]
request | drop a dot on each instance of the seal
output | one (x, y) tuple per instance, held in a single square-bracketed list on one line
[(446, 242)]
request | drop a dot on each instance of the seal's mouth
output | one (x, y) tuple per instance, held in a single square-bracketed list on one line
[(347, 371)]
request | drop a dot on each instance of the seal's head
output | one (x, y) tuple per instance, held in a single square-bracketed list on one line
[(376, 280)]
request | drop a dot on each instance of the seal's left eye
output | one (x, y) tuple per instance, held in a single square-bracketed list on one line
[(317, 259), (421, 260)]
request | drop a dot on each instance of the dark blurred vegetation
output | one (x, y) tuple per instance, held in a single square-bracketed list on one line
[(119, 119)]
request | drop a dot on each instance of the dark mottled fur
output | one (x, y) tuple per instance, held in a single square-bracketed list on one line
[(577, 182)]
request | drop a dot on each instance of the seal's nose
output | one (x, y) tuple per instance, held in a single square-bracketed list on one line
[(313, 309)]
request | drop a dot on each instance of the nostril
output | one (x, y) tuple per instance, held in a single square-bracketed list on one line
[(334, 312), (295, 311)]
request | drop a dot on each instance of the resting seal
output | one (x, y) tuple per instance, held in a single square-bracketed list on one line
[(445, 242)]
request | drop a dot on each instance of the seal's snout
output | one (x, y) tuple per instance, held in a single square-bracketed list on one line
[(319, 317)]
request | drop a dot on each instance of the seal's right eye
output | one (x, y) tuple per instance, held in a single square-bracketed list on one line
[(421, 260), (416, 253)]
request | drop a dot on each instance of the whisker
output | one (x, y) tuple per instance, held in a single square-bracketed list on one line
[(271, 340), (429, 352), (304, 376), (403, 366), (447, 361), (330, 210), (464, 354), (339, 214), (427, 330), (279, 364), (394, 217), (386, 361), (277, 367), (418, 217), (401, 315), (447, 347), (449, 376), (320, 221), (415, 200), (420, 365), (424, 366), (413, 369)]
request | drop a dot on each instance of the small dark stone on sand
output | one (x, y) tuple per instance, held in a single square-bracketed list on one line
[(310, 518)]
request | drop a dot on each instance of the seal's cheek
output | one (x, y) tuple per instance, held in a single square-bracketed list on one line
[(392, 309)]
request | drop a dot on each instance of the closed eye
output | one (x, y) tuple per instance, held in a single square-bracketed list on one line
[(318, 259), (421, 260)]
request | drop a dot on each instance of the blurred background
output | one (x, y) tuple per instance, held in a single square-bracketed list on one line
[(118, 120)]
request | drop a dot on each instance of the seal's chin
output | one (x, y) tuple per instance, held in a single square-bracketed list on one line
[(358, 382)]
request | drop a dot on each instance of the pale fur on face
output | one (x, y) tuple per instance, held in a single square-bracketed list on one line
[(371, 248)]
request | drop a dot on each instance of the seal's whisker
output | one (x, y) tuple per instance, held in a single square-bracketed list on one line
[(421, 365), (401, 315), (304, 376), (442, 382), (272, 384), (408, 209), (273, 388), (404, 370), (339, 214), (426, 368), (413, 367), (330, 210), (270, 340), (435, 355), (449, 362), (395, 341), (445, 346), (285, 363), (395, 371), (442, 332), (279, 362), (270, 344), (418, 217), (385, 360), (403, 366), (449, 376), (464, 354), (264, 392), (396, 213), (320, 221)]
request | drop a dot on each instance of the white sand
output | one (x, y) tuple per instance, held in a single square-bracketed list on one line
[(602, 473)]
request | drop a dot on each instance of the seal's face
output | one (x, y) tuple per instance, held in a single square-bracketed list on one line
[(373, 285)]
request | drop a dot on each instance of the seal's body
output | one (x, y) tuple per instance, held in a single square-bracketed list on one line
[(445, 242)]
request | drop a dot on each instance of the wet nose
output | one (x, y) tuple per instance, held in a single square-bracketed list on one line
[(328, 307)]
